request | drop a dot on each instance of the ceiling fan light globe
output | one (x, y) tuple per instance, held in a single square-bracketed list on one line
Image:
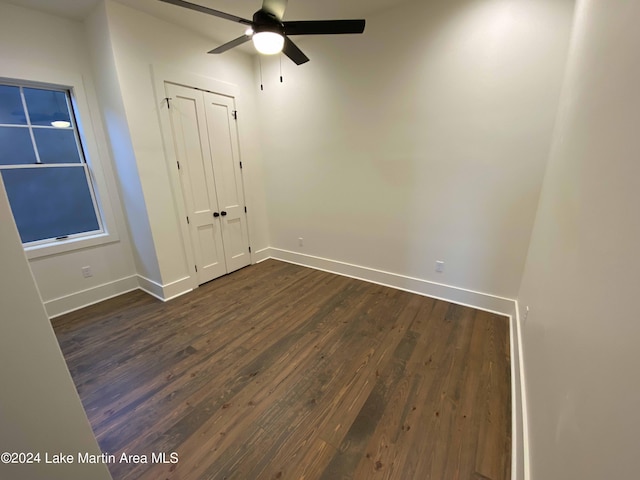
[(268, 43)]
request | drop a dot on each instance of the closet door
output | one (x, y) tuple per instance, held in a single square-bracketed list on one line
[(223, 143), (191, 142)]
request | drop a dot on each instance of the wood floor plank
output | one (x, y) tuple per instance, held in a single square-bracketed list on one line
[(282, 372)]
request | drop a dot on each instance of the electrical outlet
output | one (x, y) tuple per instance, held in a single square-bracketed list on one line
[(86, 272), (439, 266), (300, 242)]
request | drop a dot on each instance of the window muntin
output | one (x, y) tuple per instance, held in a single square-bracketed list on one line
[(45, 173)]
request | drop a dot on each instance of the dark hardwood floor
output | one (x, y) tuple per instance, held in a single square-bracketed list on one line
[(282, 372)]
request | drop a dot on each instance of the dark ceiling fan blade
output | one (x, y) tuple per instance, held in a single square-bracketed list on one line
[(209, 11), (323, 27), (291, 50), (276, 7), (231, 44)]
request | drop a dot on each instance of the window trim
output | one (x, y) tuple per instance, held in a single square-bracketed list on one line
[(93, 164)]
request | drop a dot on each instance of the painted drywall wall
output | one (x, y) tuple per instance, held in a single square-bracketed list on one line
[(140, 41), (582, 276), (40, 411), (424, 139), (28, 52), (119, 139)]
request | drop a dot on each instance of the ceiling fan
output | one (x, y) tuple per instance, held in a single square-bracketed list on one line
[(270, 34)]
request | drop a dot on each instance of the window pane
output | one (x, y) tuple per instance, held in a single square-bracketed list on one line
[(11, 110), (46, 106), (16, 147), (49, 202), (56, 145)]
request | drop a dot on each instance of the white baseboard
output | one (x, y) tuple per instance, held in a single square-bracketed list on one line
[(165, 292), (525, 470), (177, 288), (261, 255), (84, 298), (151, 287), (90, 296), (460, 296)]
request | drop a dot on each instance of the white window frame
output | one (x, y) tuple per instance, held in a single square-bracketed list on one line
[(87, 136)]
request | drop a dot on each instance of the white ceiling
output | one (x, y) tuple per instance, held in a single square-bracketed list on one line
[(217, 29)]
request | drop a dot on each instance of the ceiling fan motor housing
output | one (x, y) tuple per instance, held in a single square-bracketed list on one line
[(264, 21)]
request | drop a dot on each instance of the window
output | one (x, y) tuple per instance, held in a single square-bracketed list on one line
[(43, 166)]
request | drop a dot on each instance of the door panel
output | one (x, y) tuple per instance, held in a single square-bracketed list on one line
[(209, 245), (223, 142), (235, 232), (190, 134)]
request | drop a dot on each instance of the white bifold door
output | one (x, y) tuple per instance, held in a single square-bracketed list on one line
[(206, 145)]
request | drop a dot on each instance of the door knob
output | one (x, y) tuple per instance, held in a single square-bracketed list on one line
[(216, 214), (223, 213)]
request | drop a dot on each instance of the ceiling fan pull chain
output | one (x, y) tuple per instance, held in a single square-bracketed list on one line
[(280, 67), (261, 83)]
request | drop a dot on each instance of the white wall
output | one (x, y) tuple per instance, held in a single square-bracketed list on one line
[(28, 51), (40, 410), (140, 41), (582, 275), (424, 139), (114, 117)]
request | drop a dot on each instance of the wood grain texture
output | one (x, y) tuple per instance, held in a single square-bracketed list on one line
[(282, 372)]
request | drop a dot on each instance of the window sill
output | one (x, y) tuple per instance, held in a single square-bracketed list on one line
[(69, 245)]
